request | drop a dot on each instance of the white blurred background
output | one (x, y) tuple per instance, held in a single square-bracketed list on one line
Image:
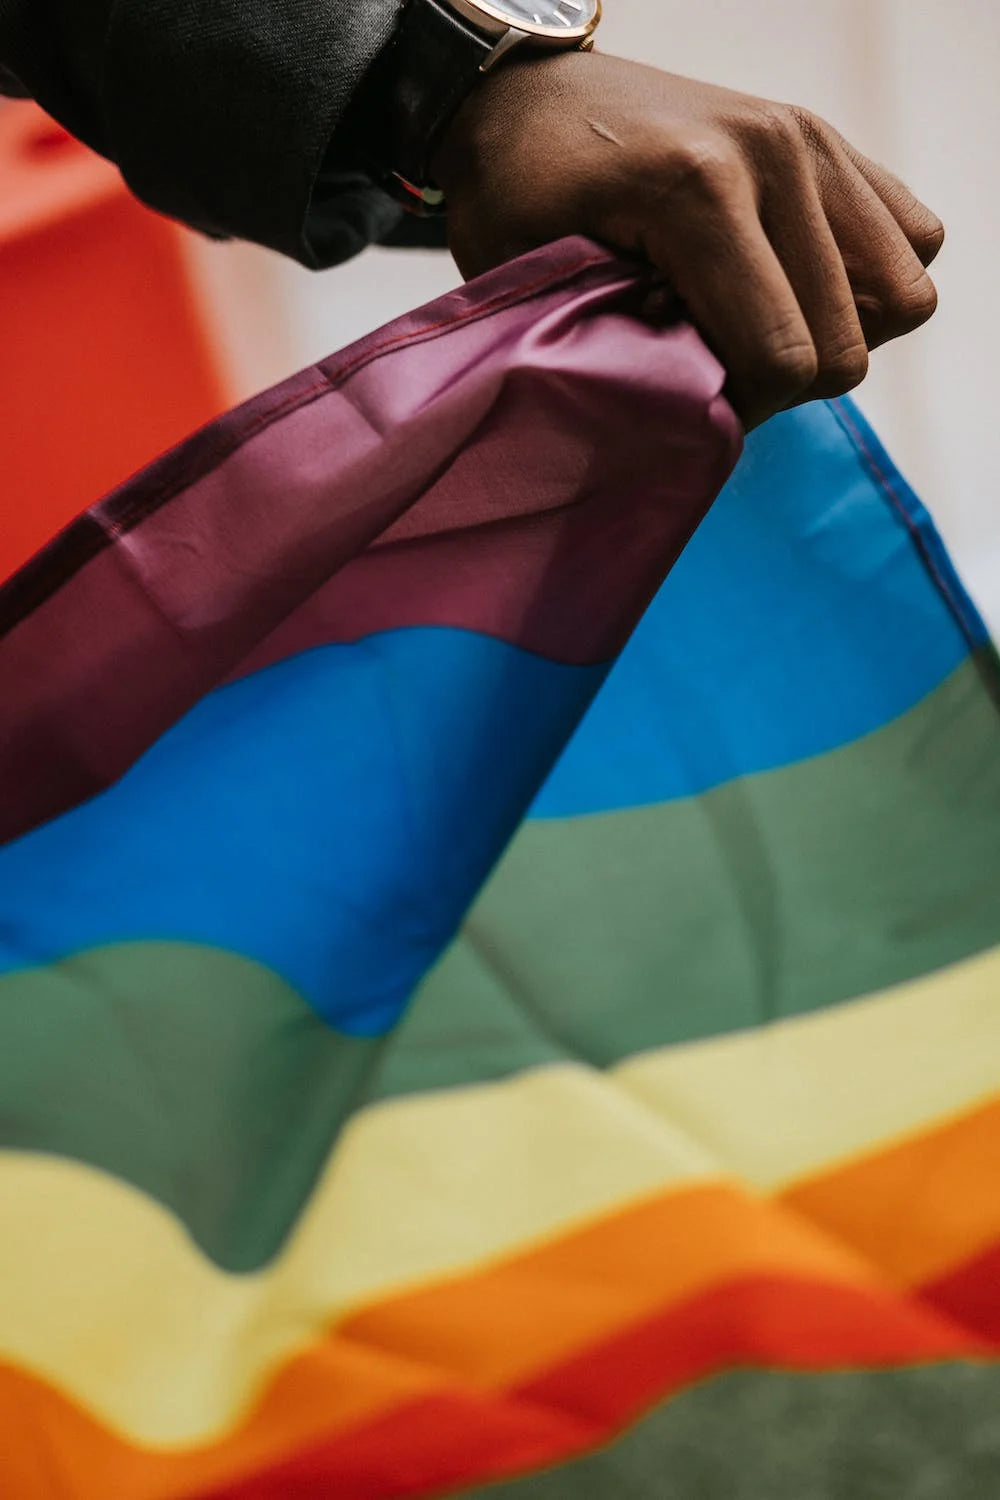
[(914, 83)]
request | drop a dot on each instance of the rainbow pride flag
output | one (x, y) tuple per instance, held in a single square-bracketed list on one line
[(500, 954)]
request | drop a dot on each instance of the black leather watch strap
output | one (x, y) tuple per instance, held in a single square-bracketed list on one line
[(440, 57), (415, 89)]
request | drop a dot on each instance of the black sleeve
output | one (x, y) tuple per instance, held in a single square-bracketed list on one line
[(222, 113)]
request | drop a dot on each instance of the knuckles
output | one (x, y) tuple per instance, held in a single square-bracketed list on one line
[(928, 239), (778, 125), (710, 161), (920, 303), (699, 164), (717, 160), (841, 372), (811, 129), (786, 371), (899, 310), (782, 132)]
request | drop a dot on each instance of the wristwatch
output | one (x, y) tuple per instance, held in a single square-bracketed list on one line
[(440, 51)]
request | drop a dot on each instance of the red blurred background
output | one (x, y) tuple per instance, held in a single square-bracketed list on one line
[(107, 358)]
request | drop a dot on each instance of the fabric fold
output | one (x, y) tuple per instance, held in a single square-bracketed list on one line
[(499, 942)]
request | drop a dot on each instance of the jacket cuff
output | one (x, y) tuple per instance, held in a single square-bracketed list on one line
[(222, 115)]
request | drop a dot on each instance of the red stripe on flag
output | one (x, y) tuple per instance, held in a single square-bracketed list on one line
[(970, 1295), (444, 1443)]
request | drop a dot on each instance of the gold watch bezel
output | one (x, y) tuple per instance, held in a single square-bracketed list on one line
[(495, 23)]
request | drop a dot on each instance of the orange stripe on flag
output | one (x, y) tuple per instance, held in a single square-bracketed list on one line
[(917, 1209), (497, 1325), (507, 1327), (469, 1437)]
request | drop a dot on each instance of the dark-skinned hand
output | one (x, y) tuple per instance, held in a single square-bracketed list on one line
[(793, 254)]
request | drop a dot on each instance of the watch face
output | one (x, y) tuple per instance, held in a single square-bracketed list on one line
[(553, 17), (564, 14)]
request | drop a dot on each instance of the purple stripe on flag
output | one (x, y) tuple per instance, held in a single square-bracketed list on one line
[(523, 458)]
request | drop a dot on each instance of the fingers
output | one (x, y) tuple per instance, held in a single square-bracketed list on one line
[(792, 273), (885, 235), (892, 290), (793, 253), (813, 262), (713, 248), (922, 228)]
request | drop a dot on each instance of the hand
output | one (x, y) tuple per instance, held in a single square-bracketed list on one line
[(793, 254)]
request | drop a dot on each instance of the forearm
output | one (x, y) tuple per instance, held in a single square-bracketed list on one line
[(218, 112)]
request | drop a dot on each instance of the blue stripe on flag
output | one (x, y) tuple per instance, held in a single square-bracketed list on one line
[(331, 817), (801, 617)]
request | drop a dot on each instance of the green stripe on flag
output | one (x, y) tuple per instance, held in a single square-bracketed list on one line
[(772, 896), (930, 1433), (206, 1081)]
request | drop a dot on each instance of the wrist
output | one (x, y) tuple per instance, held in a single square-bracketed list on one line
[(445, 59), (472, 137), (493, 120)]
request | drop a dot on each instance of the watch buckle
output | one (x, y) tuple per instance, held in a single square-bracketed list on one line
[(426, 202)]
